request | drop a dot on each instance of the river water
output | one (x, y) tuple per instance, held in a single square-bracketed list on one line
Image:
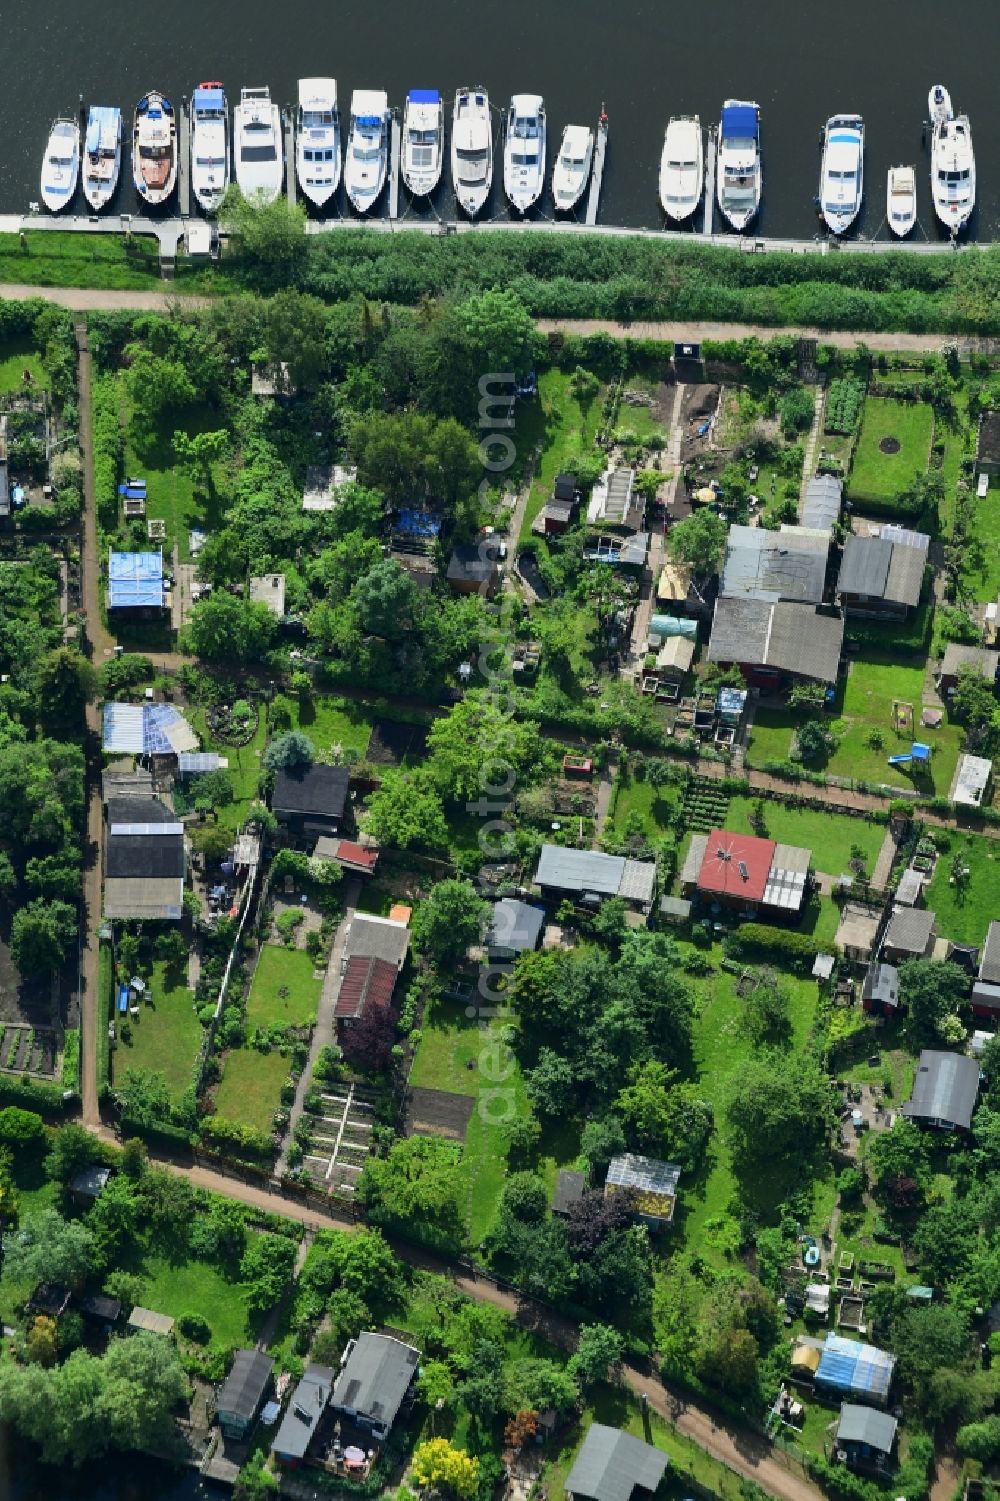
[(646, 59), (116, 1478)]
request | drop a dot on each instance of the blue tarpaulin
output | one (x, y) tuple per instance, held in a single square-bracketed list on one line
[(135, 580), (739, 120), (208, 99), (100, 119), (123, 999), (424, 96), (853, 1368), (414, 523), (666, 626)]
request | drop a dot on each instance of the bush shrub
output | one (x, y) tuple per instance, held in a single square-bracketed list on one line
[(754, 940)]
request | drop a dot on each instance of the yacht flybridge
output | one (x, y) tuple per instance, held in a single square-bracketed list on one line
[(154, 148), (102, 157), (423, 141), (841, 182), (317, 140), (258, 151), (471, 150), (682, 167), (209, 145), (524, 151), (739, 176), (61, 167), (953, 172), (367, 158), (571, 173)]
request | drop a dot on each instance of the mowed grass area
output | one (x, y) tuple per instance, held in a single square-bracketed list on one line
[(643, 809), (770, 736), (166, 1036), (829, 835), (880, 476), (173, 495), (281, 969), (449, 1042), (16, 356), (562, 427), (329, 720), (984, 582), (250, 1089), (865, 704), (964, 912), (244, 764), (199, 1288), (54, 258)]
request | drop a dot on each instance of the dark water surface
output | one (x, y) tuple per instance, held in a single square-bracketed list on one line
[(23, 1478), (646, 59)]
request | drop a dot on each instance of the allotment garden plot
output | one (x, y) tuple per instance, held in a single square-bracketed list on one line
[(340, 1136)]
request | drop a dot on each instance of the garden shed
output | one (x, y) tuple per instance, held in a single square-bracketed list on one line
[(654, 1182), (612, 1465), (854, 1369)]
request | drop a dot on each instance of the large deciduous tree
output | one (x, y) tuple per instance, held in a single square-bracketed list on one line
[(449, 921), (221, 627), (699, 541)]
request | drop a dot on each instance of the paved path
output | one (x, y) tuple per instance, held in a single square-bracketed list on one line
[(883, 865), (99, 299), (698, 332), (647, 598), (325, 1031), (809, 461)]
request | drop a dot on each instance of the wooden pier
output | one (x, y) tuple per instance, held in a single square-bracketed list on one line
[(184, 160), (288, 125), (597, 171), (395, 147), (708, 227)]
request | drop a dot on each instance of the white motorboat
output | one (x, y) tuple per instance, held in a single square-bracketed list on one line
[(571, 173), (953, 172), (209, 145), (841, 180), (901, 200), (471, 149), (102, 158), (524, 151), (367, 157), (738, 172), (938, 104), (682, 167), (258, 152), (61, 167), (317, 142), (154, 148), (423, 141)]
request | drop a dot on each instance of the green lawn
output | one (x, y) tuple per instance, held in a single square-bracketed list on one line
[(770, 736), (283, 969), (984, 582), (563, 428), (166, 1036), (244, 764), (877, 475), (53, 258), (16, 356), (173, 496), (866, 704), (329, 721), (643, 809), (829, 835), (964, 913), (250, 1090), (199, 1288)]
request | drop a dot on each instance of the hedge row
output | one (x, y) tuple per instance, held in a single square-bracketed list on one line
[(35, 1094), (155, 1133), (756, 940), (109, 452), (71, 1060)]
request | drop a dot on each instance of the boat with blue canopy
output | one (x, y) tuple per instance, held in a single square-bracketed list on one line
[(739, 172), (154, 148), (317, 140), (841, 181), (102, 158), (423, 141), (209, 145), (367, 158)]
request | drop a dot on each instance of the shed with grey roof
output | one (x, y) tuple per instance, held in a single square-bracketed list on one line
[(372, 937), (306, 1407), (611, 1465), (945, 1091), (789, 564), (570, 1189), (242, 1392), (515, 928), (909, 933), (880, 991), (373, 1380), (989, 963), (866, 1436), (769, 638), (821, 507), (977, 659), (910, 889), (592, 875), (972, 777), (883, 576)]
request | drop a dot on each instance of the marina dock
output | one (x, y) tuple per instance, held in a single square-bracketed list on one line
[(184, 160), (597, 171), (395, 147), (288, 126), (708, 228)]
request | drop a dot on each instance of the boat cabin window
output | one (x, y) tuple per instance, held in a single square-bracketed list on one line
[(211, 161), (524, 129), (524, 158), (740, 143), (677, 166), (315, 119), (422, 137), (154, 153), (265, 152), (955, 176)]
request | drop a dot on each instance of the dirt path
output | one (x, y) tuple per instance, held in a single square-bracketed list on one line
[(670, 333), (97, 299)]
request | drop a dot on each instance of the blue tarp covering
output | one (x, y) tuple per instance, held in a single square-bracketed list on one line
[(739, 120), (100, 117), (369, 122), (141, 729), (208, 99), (856, 1369), (666, 626), (413, 523), (135, 579), (424, 96), (123, 999)]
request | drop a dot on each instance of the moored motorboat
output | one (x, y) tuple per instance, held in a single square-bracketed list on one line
[(61, 166), (258, 151), (524, 151), (154, 148), (367, 160), (471, 149), (317, 140), (841, 181), (901, 200), (938, 104), (682, 167), (571, 173), (739, 174), (209, 145), (102, 157), (953, 172), (423, 141)]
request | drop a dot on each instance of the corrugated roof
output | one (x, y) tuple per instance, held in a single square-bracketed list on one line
[(317, 790), (945, 1088), (865, 1425), (196, 763), (373, 937), (306, 1407), (910, 888), (638, 880), (788, 564), (821, 507), (675, 655), (906, 571), (694, 859), (245, 1385), (989, 964), (515, 925), (865, 566), (135, 580), (846, 1365), (364, 980), (909, 930), (579, 870), (570, 1188), (881, 984), (971, 780), (957, 656), (784, 636), (148, 1319), (144, 898), (146, 729), (375, 1377), (611, 1464)]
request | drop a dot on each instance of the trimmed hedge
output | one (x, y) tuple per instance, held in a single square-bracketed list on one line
[(35, 1094), (155, 1133), (71, 1059), (757, 940), (109, 452)]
